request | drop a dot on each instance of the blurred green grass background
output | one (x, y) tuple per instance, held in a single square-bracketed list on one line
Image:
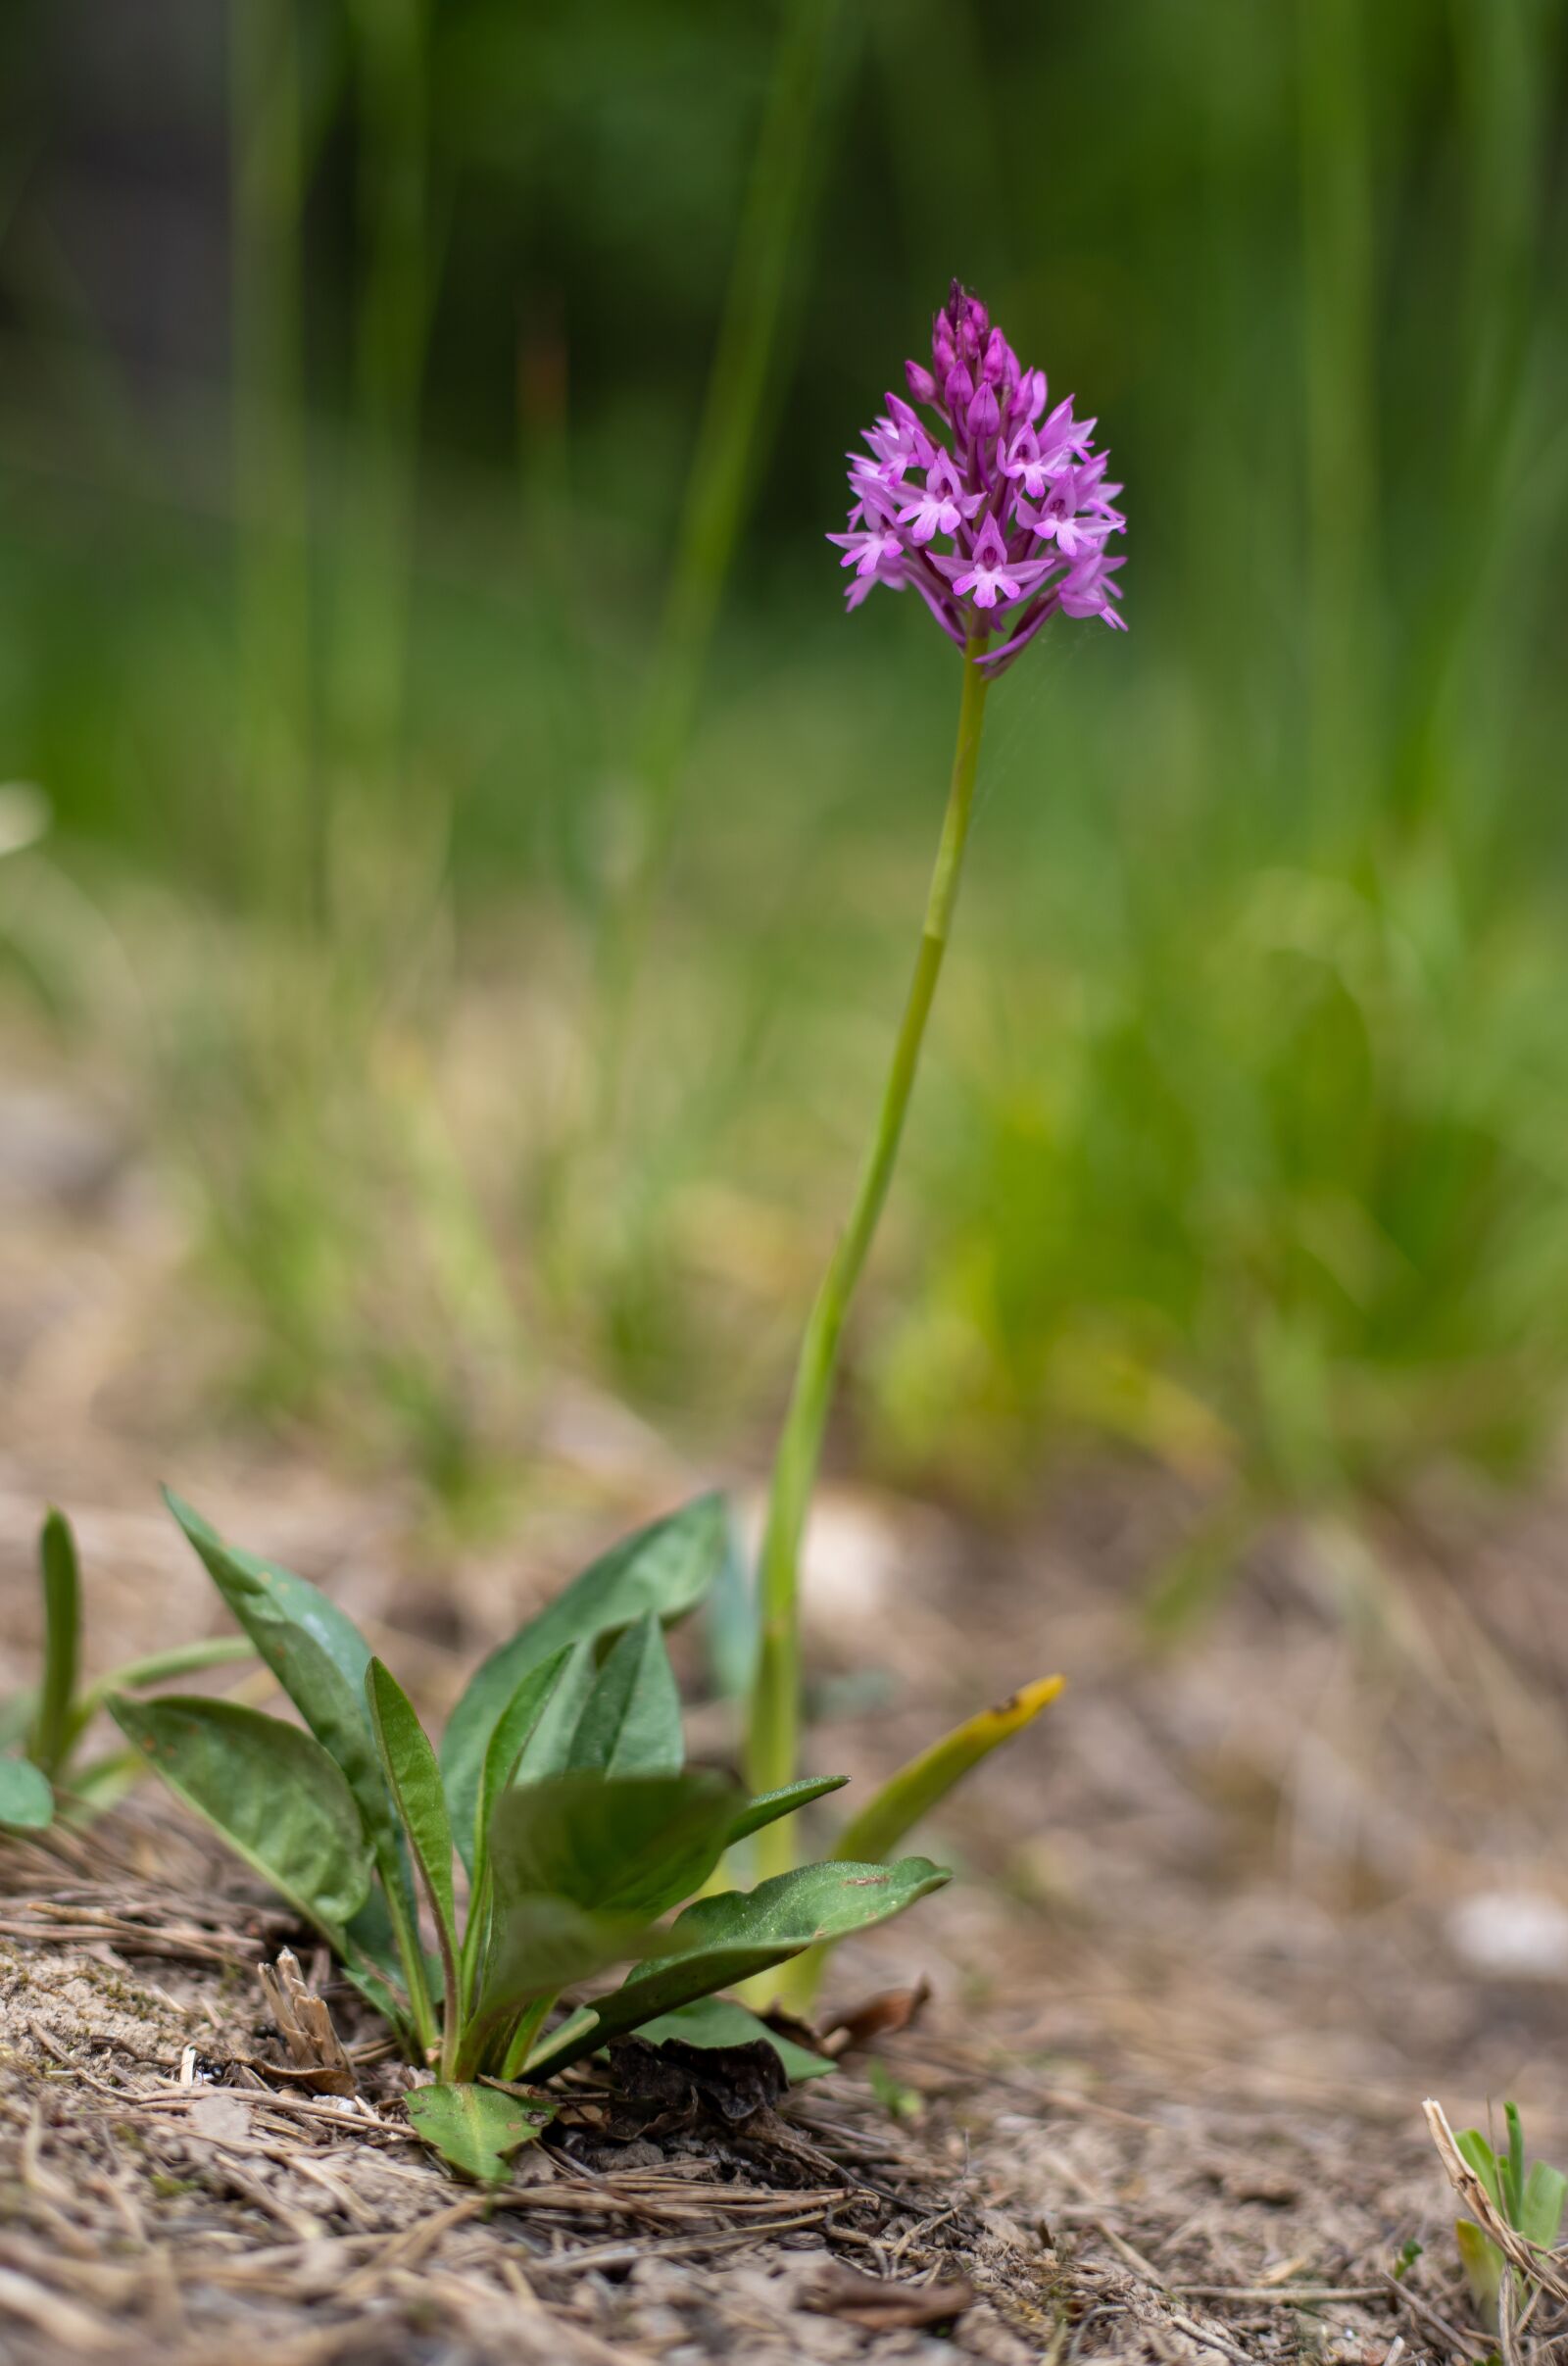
[(418, 425)]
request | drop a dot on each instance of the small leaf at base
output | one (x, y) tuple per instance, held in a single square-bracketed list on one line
[(476, 2129), (26, 1803)]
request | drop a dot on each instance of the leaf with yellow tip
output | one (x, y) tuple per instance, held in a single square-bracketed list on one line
[(923, 1782), (917, 1787)]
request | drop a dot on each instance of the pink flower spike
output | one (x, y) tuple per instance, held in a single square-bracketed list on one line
[(1012, 477)]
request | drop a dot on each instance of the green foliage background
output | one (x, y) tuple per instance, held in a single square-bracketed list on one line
[(515, 966)]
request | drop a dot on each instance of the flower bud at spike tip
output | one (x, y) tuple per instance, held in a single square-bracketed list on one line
[(1003, 527)]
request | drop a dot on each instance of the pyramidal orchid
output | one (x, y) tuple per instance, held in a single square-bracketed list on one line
[(996, 511), (992, 505)]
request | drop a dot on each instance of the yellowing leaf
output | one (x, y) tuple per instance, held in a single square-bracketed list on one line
[(922, 1782)]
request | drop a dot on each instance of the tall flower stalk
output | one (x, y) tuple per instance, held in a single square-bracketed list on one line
[(998, 528)]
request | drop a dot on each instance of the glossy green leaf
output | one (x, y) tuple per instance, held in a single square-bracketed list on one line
[(666, 1568), (631, 1723), (271, 1792), (770, 1805), (61, 1609), (633, 1844), (1477, 2154), (720, 2021), (26, 1802), (918, 1786), (735, 1935), (476, 2129), (312, 1647), (541, 1944), (413, 1778), (531, 1741), (1541, 2206)]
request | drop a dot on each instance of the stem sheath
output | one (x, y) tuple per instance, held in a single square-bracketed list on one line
[(773, 1735)]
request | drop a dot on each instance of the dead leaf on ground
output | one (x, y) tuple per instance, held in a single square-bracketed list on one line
[(879, 2306), (880, 2016)]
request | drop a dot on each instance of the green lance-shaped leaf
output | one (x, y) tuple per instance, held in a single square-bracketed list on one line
[(733, 1935), (531, 1741), (476, 2129), (718, 2021), (26, 1802), (61, 1609), (770, 1805), (624, 1845), (315, 1650), (415, 1780), (1511, 2165), (268, 1789), (666, 1568), (630, 1724), (1541, 2206), (924, 1781), (1478, 2156)]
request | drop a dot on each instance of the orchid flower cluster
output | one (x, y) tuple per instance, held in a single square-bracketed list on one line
[(1019, 492)]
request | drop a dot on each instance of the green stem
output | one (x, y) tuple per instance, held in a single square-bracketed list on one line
[(476, 1935), (410, 1953), (521, 2042), (773, 1742)]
